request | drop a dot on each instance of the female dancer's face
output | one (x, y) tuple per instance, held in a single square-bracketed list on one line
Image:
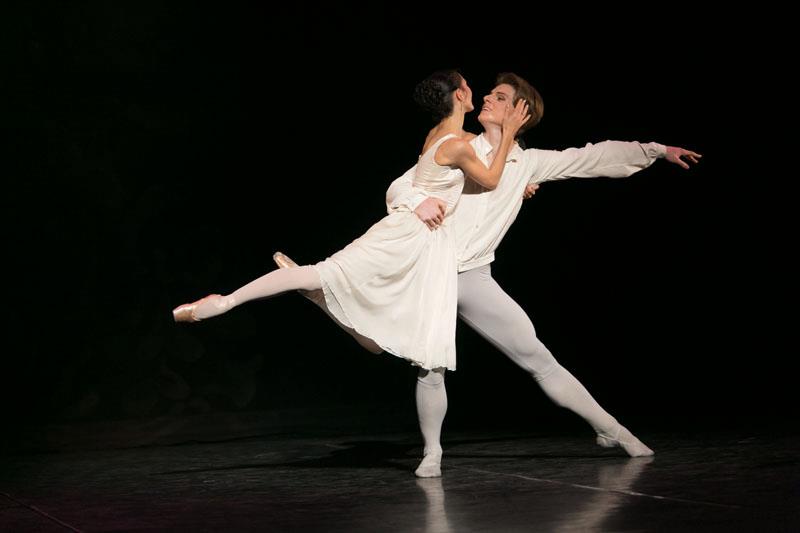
[(495, 103), (465, 95)]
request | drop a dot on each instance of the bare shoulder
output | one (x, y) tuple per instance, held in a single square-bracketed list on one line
[(468, 136), (456, 148)]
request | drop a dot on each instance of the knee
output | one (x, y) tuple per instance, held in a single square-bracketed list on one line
[(431, 378), (537, 360), (545, 370)]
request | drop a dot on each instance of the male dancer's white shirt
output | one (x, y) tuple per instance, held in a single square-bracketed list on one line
[(482, 217)]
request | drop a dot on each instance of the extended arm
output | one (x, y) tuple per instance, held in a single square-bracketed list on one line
[(614, 159)]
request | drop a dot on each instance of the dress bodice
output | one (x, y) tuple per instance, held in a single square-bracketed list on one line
[(438, 180)]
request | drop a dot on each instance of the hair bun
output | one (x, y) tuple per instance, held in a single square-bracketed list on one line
[(429, 94), (434, 93)]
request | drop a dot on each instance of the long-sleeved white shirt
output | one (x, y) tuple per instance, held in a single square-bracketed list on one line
[(482, 217)]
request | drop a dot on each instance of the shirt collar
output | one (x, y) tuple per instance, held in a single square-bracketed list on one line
[(483, 147)]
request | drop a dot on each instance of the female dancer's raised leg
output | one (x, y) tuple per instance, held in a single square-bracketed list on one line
[(316, 296), (270, 284)]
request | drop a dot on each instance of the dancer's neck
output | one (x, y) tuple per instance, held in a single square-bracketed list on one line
[(453, 124), (493, 133)]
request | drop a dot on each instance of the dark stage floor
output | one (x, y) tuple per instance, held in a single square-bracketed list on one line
[(500, 482)]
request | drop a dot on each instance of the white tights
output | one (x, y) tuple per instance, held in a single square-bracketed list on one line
[(484, 305), (270, 284), (431, 408)]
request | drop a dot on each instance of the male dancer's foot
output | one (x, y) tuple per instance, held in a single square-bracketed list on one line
[(431, 465), (625, 440)]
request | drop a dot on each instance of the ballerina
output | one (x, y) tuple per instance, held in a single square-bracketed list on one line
[(374, 285)]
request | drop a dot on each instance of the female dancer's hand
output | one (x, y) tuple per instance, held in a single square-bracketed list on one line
[(515, 117)]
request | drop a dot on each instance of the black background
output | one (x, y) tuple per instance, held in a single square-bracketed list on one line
[(161, 152)]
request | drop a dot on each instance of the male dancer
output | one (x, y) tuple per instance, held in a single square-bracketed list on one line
[(482, 218)]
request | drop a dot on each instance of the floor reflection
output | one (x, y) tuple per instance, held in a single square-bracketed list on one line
[(604, 497), (612, 481), (435, 513)]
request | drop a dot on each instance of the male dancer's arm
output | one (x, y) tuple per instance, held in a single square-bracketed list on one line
[(613, 159), (403, 194)]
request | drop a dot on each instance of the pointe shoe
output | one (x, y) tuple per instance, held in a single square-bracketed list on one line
[(186, 312), (431, 466), (283, 261), (625, 440)]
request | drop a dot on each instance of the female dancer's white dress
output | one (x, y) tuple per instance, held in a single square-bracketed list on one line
[(397, 283)]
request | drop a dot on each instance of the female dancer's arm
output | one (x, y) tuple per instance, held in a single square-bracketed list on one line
[(458, 152)]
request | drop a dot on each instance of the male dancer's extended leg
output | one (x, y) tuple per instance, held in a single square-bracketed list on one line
[(484, 305)]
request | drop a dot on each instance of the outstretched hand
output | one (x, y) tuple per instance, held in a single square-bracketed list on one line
[(674, 155), (431, 211)]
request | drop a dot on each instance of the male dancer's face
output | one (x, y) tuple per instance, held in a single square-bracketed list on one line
[(495, 103)]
